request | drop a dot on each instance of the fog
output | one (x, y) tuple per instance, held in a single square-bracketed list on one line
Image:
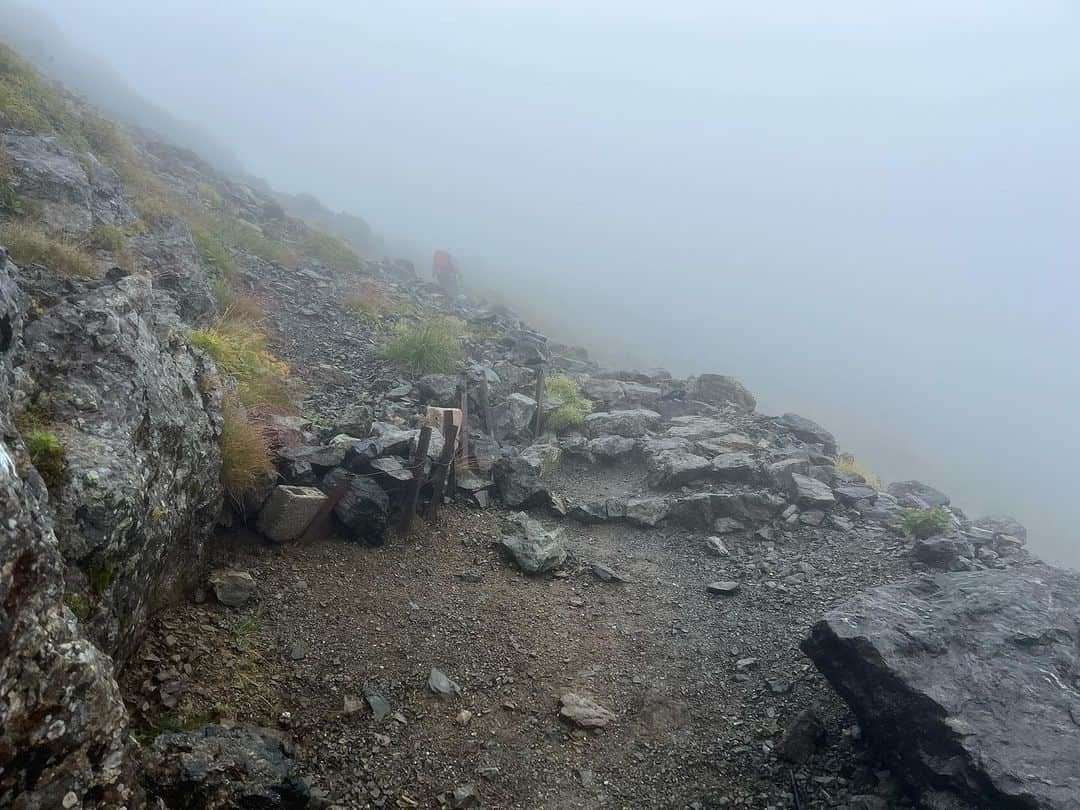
[(867, 211)]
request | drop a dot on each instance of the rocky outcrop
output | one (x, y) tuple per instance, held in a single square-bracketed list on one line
[(966, 681), (136, 411), (63, 728), (718, 389)]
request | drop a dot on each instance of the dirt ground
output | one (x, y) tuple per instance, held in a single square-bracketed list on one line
[(702, 686)]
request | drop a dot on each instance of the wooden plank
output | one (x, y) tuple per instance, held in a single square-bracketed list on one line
[(539, 401), (446, 459), (412, 491), (318, 526)]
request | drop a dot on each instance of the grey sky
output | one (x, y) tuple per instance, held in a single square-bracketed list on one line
[(866, 210)]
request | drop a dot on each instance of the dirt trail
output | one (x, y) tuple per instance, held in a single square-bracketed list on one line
[(695, 717)]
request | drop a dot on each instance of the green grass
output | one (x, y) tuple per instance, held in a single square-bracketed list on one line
[(29, 103), (238, 349), (570, 415), (245, 454), (924, 523), (433, 346), (330, 250), (107, 237), (78, 605), (28, 244), (48, 456), (215, 257), (101, 576)]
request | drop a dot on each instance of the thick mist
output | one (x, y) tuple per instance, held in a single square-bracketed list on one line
[(867, 211)]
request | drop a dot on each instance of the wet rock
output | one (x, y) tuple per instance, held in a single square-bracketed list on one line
[(534, 549), (944, 553), (948, 676), (850, 494), (781, 472), (735, 467), (646, 511), (809, 431), (213, 766), (440, 390), (520, 479), (289, 511), (918, 495), (716, 547), (514, 417), (697, 428), (718, 389), (363, 509), (676, 468), (723, 587), (231, 587), (631, 424), (801, 738), (809, 492), (439, 684), (1002, 526), (606, 574), (610, 447), (380, 707), (584, 712)]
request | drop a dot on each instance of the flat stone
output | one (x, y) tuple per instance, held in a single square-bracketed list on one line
[(438, 683), (232, 587), (723, 587), (288, 512), (584, 712)]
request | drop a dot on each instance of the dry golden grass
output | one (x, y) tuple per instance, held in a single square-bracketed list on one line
[(245, 453)]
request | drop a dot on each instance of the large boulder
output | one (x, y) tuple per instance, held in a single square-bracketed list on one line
[(810, 492), (675, 468), (737, 467), (440, 390), (719, 389), (514, 417), (137, 411), (630, 424), (364, 507), (1002, 526), (521, 480), (63, 726), (944, 553), (244, 767), (918, 495), (966, 681), (809, 431), (533, 548)]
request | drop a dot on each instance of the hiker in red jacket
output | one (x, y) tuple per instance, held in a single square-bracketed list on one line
[(445, 271)]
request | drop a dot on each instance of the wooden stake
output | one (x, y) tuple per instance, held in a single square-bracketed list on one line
[(485, 409), (446, 458), (317, 527), (412, 491), (539, 401), (465, 417)]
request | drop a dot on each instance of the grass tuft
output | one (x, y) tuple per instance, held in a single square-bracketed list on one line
[(48, 456), (570, 415), (245, 453), (924, 523), (28, 244), (433, 346), (238, 349), (848, 464), (330, 250)]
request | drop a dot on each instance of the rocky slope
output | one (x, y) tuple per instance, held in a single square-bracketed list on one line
[(634, 640)]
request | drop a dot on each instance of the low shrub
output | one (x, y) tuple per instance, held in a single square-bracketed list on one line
[(369, 301), (923, 523), (433, 346), (215, 257), (847, 463), (28, 245), (330, 250), (570, 415), (238, 349), (78, 605), (245, 453), (101, 576), (48, 456)]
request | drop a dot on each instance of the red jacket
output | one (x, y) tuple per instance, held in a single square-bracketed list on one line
[(443, 262)]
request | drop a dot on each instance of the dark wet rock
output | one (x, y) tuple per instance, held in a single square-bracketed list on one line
[(231, 587), (676, 468), (168, 255), (440, 390), (809, 431), (63, 726), (288, 511), (917, 494), (849, 494), (944, 553), (966, 681), (534, 549), (364, 508), (630, 424), (244, 767), (801, 738), (718, 389)]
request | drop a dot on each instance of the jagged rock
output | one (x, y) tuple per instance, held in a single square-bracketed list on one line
[(519, 479), (801, 738), (698, 428), (606, 574), (588, 511), (917, 494), (439, 684), (320, 458), (391, 473), (534, 549), (736, 467), (723, 587), (944, 553), (363, 509), (718, 389), (440, 390), (168, 254), (716, 547), (750, 506), (63, 726), (646, 511), (780, 472), (652, 445), (966, 681), (853, 493), (809, 431), (584, 712), (610, 447), (288, 512), (356, 420), (138, 413), (232, 587), (514, 417), (631, 424), (675, 468), (727, 525), (1002, 526), (810, 492), (213, 766), (391, 440)]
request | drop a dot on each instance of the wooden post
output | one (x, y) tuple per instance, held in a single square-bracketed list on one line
[(318, 523), (539, 401), (412, 491), (465, 417), (446, 458), (485, 409)]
